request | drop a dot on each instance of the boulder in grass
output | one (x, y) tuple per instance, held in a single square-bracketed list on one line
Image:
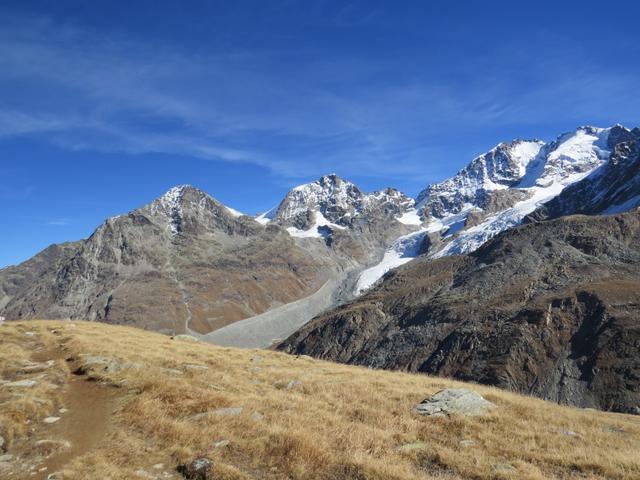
[(199, 469), (455, 401)]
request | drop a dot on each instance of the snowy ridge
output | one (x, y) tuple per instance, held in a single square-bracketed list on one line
[(499, 188), (334, 203), (472, 238), (498, 169), (403, 250)]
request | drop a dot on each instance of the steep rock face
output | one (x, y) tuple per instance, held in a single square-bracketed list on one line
[(339, 203), (356, 225), (479, 182), (612, 188), (550, 309), (183, 261)]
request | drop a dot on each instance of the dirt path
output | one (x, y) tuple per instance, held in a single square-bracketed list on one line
[(90, 406), (84, 420)]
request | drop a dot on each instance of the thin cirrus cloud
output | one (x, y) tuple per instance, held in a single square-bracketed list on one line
[(81, 90), (58, 222)]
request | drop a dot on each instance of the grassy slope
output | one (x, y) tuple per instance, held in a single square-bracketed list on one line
[(340, 422)]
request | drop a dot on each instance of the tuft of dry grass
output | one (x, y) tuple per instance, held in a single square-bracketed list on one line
[(300, 418)]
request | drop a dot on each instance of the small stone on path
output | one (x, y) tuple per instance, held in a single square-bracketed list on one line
[(21, 384)]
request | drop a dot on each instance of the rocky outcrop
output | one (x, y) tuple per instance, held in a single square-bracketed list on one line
[(550, 309), (455, 401)]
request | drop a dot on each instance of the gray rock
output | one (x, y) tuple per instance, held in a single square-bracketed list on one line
[(612, 429), (193, 366), (199, 469), (50, 420), (6, 457), (287, 385), (36, 367), (53, 445), (467, 443), (228, 412), (293, 384), (21, 384), (104, 364), (503, 467), (257, 416), (455, 401), (411, 447), (141, 473), (185, 338)]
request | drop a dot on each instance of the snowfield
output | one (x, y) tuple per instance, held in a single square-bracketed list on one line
[(540, 170)]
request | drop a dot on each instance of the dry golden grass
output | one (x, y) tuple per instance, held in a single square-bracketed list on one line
[(338, 422)]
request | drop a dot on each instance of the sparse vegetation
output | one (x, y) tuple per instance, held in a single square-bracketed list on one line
[(263, 414)]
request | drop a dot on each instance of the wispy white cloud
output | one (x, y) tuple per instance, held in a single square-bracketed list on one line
[(84, 90), (58, 222)]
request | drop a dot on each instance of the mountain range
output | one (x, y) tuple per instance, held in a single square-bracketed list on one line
[(185, 263)]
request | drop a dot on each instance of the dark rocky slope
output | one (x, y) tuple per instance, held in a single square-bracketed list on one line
[(550, 309)]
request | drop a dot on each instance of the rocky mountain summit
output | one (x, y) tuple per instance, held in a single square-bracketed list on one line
[(187, 263), (549, 309), (331, 204), (612, 188)]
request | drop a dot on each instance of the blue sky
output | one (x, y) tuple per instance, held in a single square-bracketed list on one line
[(106, 105)]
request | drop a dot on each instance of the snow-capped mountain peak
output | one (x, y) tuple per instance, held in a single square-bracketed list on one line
[(334, 202), (498, 189), (498, 169), (186, 201)]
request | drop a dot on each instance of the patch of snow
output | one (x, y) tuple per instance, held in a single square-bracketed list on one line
[(472, 238), (410, 218), (524, 152), (573, 153), (234, 212), (171, 205), (315, 231), (267, 216), (403, 250)]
